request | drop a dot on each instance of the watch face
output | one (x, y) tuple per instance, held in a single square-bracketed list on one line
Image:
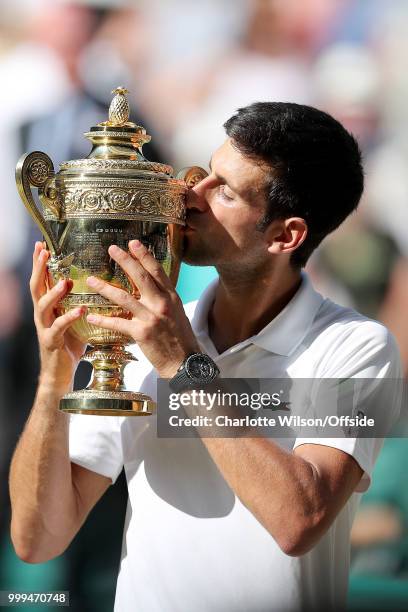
[(200, 368)]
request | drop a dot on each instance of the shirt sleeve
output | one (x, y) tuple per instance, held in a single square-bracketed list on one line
[(95, 443), (372, 356)]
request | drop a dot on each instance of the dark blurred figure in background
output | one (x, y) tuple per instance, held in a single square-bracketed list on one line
[(67, 30)]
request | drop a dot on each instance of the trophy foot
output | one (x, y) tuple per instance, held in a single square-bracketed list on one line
[(107, 403), (106, 394)]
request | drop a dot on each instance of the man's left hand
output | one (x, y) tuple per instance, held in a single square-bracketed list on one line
[(158, 322)]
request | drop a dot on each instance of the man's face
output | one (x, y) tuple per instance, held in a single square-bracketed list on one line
[(223, 211)]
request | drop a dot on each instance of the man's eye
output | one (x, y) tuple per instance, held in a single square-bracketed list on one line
[(223, 194)]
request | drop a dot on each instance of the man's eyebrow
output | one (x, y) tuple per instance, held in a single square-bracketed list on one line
[(221, 178)]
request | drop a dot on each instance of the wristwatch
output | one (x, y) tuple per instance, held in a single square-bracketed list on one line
[(197, 370)]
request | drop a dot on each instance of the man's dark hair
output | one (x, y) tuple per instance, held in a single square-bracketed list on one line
[(316, 166)]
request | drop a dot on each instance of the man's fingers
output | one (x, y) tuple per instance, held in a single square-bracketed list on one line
[(49, 300), (64, 322), (117, 296), (38, 284), (150, 263), (139, 276), (37, 249), (113, 323)]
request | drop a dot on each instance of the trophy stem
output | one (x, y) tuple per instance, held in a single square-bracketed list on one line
[(106, 394), (108, 364)]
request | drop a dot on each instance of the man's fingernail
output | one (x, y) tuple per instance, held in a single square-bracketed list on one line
[(92, 281), (44, 255), (92, 318), (136, 244), (114, 248), (60, 284)]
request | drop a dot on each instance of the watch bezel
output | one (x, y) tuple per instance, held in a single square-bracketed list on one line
[(203, 357)]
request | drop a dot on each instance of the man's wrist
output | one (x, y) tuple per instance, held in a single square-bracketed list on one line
[(53, 387), (171, 369)]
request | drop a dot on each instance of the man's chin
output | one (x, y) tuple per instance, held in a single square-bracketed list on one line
[(196, 259), (195, 255)]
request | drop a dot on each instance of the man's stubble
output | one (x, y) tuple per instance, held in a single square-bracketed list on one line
[(243, 269)]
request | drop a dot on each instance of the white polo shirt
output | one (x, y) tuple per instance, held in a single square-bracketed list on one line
[(189, 544)]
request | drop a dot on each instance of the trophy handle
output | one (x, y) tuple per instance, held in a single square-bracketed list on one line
[(35, 170), (192, 175)]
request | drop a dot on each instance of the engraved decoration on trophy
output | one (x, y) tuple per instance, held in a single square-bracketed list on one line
[(113, 196)]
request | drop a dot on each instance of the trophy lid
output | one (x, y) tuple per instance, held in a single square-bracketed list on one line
[(117, 143), (115, 181)]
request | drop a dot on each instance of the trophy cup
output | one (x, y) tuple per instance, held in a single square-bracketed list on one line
[(111, 197)]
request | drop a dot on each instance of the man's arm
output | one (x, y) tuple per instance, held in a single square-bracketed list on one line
[(295, 496), (50, 497)]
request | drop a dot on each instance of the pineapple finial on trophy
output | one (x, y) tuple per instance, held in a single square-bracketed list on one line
[(119, 110)]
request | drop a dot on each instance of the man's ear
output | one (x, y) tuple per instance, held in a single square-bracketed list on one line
[(286, 235)]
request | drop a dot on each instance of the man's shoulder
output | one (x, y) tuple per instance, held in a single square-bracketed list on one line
[(345, 322), (345, 338)]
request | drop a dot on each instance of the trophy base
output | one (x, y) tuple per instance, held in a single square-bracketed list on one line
[(107, 403)]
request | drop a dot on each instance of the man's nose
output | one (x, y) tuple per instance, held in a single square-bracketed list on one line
[(196, 196)]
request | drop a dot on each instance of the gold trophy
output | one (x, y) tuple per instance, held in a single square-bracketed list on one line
[(111, 197)]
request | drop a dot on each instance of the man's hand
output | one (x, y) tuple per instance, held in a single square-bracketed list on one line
[(60, 352), (50, 496), (158, 324)]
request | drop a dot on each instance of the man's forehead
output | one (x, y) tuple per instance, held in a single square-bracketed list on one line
[(229, 152)]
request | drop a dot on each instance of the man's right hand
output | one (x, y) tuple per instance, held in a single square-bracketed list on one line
[(60, 351)]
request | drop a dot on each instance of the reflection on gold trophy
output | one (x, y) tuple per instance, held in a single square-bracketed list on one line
[(111, 197)]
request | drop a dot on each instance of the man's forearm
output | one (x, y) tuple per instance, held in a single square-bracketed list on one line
[(282, 490), (43, 502)]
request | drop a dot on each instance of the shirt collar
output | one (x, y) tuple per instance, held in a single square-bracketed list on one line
[(284, 333)]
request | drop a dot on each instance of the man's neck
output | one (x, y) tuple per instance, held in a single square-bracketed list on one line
[(243, 307)]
